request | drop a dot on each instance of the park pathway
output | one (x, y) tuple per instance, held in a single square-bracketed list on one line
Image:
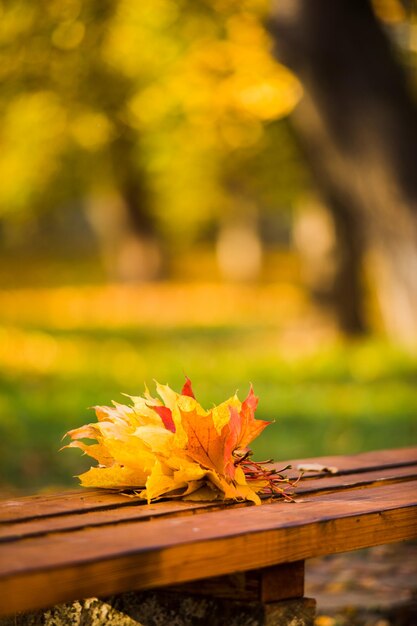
[(373, 587)]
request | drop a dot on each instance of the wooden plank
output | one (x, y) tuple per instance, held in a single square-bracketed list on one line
[(339, 482), (43, 525), (95, 543), (364, 461), (280, 582), (142, 512), (27, 592), (80, 501), (45, 570)]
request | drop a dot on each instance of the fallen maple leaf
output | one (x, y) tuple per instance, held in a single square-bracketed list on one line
[(172, 447)]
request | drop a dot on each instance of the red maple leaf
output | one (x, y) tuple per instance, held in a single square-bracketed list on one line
[(166, 416), (187, 389)]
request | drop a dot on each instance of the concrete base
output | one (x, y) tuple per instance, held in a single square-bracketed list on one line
[(160, 608)]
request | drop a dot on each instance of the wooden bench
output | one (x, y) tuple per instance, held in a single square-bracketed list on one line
[(82, 544)]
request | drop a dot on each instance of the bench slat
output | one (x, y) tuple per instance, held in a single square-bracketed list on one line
[(45, 570), (80, 501), (157, 535), (307, 485), (366, 460)]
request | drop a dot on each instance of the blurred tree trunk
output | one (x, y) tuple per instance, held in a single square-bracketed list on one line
[(123, 219), (357, 123)]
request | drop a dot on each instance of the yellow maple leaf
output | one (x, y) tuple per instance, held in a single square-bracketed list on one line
[(172, 447)]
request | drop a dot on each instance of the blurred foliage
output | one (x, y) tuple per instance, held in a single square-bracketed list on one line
[(185, 95), (63, 350)]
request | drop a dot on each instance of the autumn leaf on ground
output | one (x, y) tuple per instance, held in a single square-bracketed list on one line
[(172, 447)]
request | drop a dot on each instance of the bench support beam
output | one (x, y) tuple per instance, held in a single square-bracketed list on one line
[(269, 584)]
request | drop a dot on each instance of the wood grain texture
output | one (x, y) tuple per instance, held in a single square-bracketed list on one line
[(380, 458), (68, 546), (140, 512), (160, 552), (89, 544), (114, 515), (281, 582), (80, 501)]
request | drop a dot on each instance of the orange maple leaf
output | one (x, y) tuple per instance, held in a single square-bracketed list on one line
[(205, 445), (245, 426)]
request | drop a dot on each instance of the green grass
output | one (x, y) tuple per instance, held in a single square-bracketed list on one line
[(343, 398)]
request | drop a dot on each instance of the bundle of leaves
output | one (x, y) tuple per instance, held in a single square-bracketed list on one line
[(172, 447)]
